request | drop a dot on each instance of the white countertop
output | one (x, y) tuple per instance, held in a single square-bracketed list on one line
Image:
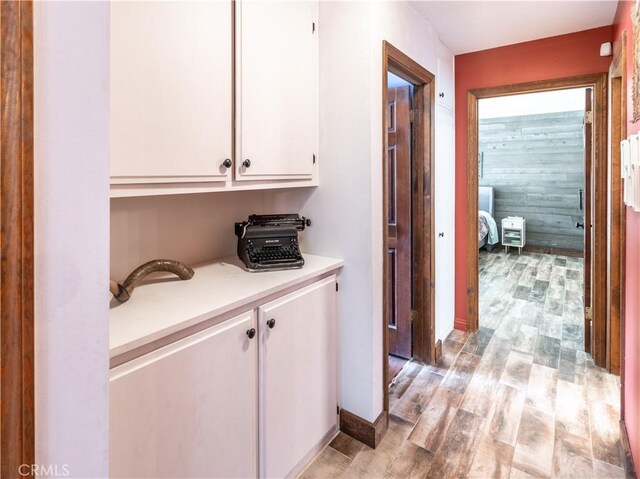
[(166, 305)]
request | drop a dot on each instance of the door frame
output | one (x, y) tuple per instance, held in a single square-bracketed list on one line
[(17, 426), (423, 168), (597, 81), (618, 216)]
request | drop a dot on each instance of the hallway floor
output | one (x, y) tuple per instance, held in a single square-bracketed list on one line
[(518, 399)]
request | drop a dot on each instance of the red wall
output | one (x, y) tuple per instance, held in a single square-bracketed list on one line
[(556, 57), (631, 391)]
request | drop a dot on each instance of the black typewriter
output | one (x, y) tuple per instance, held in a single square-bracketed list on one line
[(270, 242)]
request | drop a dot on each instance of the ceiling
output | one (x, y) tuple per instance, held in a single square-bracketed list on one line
[(469, 26)]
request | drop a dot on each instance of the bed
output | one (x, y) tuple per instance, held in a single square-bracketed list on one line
[(487, 227)]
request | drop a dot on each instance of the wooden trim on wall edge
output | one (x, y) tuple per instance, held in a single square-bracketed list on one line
[(619, 69), (17, 423), (369, 433)]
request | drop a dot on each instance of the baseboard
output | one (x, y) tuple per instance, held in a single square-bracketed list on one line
[(627, 459), (460, 324), (438, 349), (364, 431), (551, 250), (308, 459)]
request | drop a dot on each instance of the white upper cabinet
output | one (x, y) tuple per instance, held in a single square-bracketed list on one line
[(173, 98), (171, 91), (445, 77), (277, 90)]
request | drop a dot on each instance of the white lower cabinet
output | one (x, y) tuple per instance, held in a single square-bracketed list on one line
[(188, 409), (298, 375), (221, 404)]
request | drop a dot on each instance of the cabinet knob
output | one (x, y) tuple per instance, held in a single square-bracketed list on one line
[(441, 94), (246, 163), (441, 234), (251, 333), (227, 163), (271, 323)]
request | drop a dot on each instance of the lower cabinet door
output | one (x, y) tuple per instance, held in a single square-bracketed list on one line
[(298, 375), (188, 409)]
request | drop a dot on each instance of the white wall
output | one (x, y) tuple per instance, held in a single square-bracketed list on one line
[(71, 236), (532, 103), (347, 207), (341, 206), (394, 81), (190, 228)]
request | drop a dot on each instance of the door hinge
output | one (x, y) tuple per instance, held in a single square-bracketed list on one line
[(313, 27), (414, 316), (588, 313), (337, 286), (413, 114), (588, 117), (314, 159)]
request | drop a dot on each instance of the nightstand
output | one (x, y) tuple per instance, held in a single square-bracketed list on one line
[(514, 232)]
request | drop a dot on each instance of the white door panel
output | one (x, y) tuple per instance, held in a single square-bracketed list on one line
[(445, 221), (170, 90), (277, 75), (298, 375)]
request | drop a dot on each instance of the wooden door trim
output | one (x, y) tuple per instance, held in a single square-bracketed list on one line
[(617, 269), (17, 437), (588, 215), (598, 82), (423, 169)]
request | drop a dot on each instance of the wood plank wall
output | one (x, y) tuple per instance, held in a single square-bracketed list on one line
[(536, 165)]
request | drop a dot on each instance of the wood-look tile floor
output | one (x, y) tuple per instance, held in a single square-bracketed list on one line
[(518, 399)]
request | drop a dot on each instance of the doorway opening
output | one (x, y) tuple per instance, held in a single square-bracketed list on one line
[(408, 100), (399, 287), (533, 197), (594, 202)]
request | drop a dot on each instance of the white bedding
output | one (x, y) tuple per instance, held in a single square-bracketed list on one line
[(492, 237)]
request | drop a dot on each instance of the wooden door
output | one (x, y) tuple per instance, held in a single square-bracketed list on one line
[(277, 82), (399, 279), (588, 215), (298, 376), (171, 87), (188, 409)]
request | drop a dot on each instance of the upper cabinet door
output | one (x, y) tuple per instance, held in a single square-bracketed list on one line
[(444, 80), (277, 86), (171, 91)]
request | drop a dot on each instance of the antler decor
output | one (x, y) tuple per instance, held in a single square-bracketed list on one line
[(122, 292)]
